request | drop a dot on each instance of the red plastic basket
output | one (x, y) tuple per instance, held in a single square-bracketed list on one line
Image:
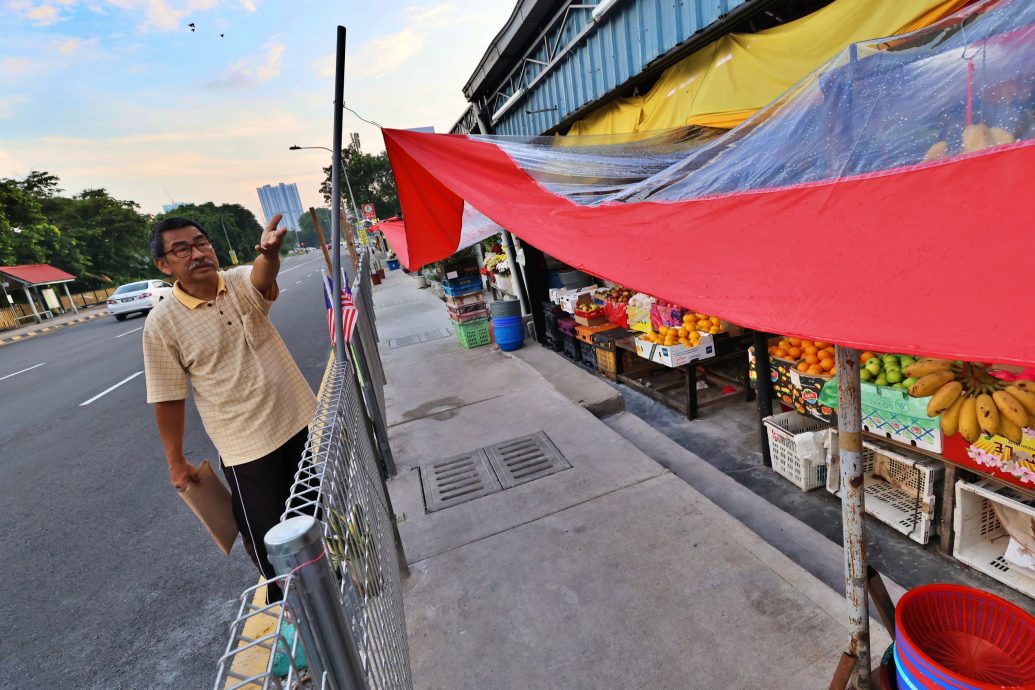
[(969, 635)]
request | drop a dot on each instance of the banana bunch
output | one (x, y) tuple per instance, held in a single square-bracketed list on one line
[(971, 401)]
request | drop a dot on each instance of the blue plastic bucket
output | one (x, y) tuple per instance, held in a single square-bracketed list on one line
[(510, 332)]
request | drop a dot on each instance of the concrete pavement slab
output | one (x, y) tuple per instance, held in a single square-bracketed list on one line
[(639, 588), (613, 573)]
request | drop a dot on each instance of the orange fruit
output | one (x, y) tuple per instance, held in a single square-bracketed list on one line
[(815, 369), (794, 352), (811, 359), (781, 353), (809, 349), (827, 364), (795, 341), (821, 345), (866, 357), (715, 320), (714, 329), (806, 343), (803, 367), (785, 344)]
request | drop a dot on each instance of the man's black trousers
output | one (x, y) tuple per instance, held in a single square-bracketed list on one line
[(260, 490)]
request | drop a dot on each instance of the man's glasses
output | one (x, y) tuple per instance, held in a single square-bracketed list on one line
[(182, 251)]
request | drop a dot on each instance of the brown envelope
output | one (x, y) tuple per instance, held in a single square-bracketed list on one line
[(210, 501)]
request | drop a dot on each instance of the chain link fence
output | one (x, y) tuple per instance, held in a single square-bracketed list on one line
[(357, 564)]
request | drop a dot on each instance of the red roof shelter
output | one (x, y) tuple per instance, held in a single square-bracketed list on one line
[(30, 277)]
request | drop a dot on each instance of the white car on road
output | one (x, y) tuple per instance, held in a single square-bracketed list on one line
[(141, 297)]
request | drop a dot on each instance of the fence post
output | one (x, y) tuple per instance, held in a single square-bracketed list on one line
[(295, 546)]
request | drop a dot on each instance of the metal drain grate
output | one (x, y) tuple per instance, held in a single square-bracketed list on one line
[(523, 459), (457, 480), (403, 342), (436, 334)]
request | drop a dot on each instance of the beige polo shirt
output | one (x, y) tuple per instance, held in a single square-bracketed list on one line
[(251, 396)]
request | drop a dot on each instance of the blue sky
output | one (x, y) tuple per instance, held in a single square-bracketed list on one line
[(121, 94)]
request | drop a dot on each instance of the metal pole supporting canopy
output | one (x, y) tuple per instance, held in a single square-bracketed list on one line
[(339, 88)]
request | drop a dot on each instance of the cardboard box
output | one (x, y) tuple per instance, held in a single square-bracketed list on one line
[(675, 355), (569, 299), (892, 413)]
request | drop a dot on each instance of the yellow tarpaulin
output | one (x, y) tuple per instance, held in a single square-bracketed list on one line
[(727, 81), (619, 117)]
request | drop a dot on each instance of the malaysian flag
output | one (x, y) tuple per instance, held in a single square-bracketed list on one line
[(348, 307)]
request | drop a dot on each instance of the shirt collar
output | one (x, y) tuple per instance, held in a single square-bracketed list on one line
[(192, 302)]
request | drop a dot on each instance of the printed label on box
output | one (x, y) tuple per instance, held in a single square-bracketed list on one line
[(891, 412)]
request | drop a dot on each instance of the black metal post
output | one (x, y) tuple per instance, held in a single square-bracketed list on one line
[(765, 391), (339, 88)]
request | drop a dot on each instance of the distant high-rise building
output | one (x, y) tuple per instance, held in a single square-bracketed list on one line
[(282, 198), (166, 208)]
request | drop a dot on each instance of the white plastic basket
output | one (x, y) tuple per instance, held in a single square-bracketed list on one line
[(804, 473), (910, 511), (981, 540)]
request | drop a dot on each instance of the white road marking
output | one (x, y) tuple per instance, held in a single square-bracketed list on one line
[(101, 395), (283, 291), (288, 270), (297, 282), (128, 332), (307, 275), (22, 371)]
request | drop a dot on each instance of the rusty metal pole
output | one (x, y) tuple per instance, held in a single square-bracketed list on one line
[(849, 430)]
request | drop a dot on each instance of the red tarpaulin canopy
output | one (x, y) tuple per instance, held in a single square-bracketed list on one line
[(817, 219)]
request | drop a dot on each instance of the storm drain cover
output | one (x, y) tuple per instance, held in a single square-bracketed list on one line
[(457, 480), (403, 342), (523, 459), (436, 334)]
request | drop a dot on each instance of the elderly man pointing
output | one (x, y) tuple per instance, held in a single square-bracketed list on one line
[(254, 402)]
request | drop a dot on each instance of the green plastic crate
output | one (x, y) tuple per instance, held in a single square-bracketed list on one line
[(472, 333)]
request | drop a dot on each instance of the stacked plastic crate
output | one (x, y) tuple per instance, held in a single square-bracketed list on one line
[(465, 301)]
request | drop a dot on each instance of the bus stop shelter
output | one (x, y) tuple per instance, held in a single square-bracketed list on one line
[(29, 278)]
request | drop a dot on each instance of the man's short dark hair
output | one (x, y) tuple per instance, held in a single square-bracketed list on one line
[(171, 223)]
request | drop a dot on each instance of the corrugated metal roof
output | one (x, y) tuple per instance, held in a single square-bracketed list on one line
[(36, 274), (631, 37)]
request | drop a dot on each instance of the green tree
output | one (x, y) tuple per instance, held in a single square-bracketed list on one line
[(372, 183), (110, 235), (223, 222), (307, 235)]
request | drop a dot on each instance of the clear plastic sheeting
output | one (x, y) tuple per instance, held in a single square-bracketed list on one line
[(589, 169), (851, 210), (954, 88)]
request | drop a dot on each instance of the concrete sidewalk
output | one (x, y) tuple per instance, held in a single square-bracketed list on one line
[(13, 335), (612, 574)]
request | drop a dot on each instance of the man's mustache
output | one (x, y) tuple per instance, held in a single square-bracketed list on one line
[(200, 263)]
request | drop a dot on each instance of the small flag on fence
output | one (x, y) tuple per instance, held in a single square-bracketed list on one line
[(348, 307)]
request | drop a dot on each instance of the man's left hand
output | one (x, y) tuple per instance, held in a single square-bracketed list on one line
[(272, 236)]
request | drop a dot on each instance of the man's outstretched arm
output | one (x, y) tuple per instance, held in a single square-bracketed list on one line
[(267, 264), (169, 416)]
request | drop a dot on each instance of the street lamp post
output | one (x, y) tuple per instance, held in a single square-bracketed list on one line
[(344, 174)]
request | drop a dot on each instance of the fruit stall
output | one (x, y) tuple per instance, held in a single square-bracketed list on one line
[(922, 418)]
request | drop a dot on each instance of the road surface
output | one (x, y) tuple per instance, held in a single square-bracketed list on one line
[(110, 581)]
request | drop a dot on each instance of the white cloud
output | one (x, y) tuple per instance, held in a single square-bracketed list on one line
[(249, 6), (162, 15), (436, 16), (380, 56), (70, 46), (251, 71), (17, 67)]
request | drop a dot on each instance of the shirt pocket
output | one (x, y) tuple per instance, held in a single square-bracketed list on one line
[(257, 329)]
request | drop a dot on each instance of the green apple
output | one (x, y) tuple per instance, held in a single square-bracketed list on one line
[(893, 376), (882, 380), (865, 374), (909, 382)]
